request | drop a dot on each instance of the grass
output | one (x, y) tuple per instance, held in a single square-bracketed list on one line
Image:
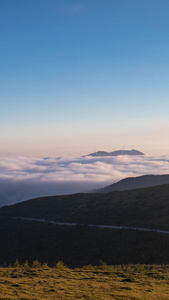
[(92, 283)]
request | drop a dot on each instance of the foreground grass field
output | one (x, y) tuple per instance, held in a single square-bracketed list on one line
[(92, 283)]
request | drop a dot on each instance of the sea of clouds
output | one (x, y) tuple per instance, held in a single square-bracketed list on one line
[(25, 178)]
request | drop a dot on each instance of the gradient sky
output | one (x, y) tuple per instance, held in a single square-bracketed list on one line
[(83, 75)]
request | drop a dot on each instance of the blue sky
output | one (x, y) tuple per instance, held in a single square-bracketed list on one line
[(84, 75)]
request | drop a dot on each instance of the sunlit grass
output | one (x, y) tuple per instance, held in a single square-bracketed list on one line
[(90, 282)]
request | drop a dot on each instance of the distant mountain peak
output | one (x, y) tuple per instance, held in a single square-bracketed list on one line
[(116, 153)]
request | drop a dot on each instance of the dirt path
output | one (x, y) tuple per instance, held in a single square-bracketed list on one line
[(93, 225)]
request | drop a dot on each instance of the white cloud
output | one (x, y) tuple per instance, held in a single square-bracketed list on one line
[(24, 178)]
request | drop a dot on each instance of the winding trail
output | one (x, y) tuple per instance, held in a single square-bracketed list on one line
[(92, 225)]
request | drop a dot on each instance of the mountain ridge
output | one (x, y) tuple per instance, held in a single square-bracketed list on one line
[(116, 153), (131, 183)]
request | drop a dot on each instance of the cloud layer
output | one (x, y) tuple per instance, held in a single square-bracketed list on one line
[(25, 178)]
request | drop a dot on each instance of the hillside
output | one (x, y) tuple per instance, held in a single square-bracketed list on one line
[(79, 245), (82, 245), (117, 152), (148, 207), (136, 183)]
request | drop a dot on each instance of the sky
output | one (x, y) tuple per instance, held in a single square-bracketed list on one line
[(78, 76)]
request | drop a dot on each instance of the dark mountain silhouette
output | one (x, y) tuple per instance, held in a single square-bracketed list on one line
[(145, 207), (82, 245), (132, 183), (117, 152)]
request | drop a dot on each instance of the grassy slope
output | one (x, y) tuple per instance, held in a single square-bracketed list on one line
[(113, 282), (148, 207)]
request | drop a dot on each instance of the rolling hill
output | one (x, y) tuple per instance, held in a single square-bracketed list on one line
[(82, 245), (132, 183), (147, 207)]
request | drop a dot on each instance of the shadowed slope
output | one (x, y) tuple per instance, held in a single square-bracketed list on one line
[(148, 208), (136, 183), (79, 245)]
